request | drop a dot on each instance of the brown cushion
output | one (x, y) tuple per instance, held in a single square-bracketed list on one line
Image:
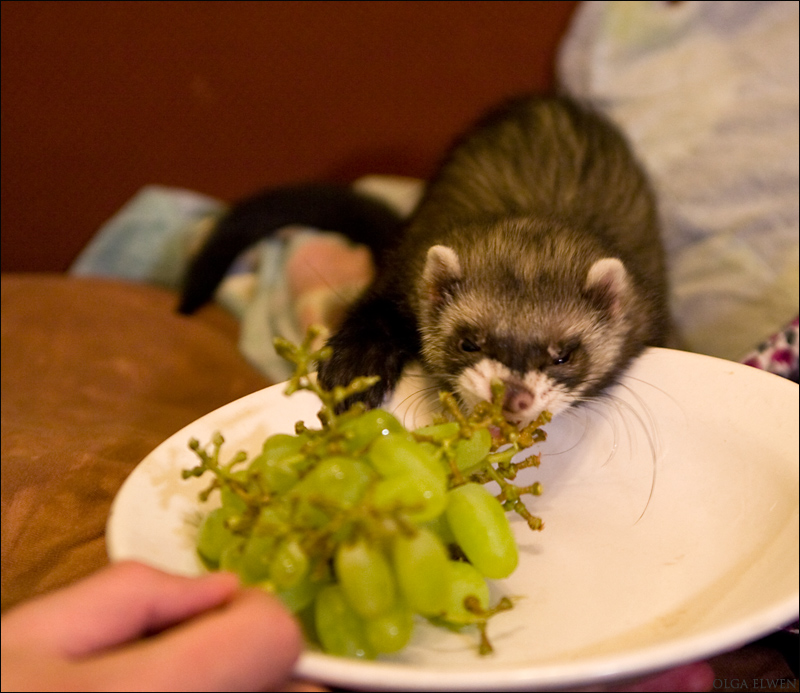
[(95, 374)]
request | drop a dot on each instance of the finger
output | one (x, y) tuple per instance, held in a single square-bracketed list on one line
[(115, 605), (250, 643)]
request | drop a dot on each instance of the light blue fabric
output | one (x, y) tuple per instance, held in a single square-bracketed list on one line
[(268, 310), (707, 93), (154, 235), (149, 239)]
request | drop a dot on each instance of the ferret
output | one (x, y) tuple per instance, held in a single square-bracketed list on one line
[(533, 258)]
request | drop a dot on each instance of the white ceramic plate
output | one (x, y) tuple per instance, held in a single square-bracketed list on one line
[(671, 512)]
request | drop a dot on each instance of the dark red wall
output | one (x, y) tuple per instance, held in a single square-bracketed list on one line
[(101, 98)]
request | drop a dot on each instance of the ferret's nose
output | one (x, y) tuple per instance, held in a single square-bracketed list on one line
[(518, 398)]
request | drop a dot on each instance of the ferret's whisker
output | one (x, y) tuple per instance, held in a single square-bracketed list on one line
[(599, 411), (649, 428)]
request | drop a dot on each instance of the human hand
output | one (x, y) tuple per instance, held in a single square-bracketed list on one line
[(132, 627)]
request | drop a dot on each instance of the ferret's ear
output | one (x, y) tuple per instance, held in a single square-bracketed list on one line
[(442, 271), (607, 283)]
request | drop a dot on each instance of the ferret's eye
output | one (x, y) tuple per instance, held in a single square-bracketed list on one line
[(468, 346), (563, 356)]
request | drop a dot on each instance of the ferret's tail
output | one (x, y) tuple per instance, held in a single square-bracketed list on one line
[(361, 218)]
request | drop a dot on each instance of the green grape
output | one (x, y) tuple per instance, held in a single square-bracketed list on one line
[(481, 529), (337, 481), (281, 446), (438, 525), (289, 564), (214, 536), (341, 631), (232, 556), (391, 631), (361, 431), (440, 432), (301, 594), (434, 452), (465, 582), (273, 519), (420, 564), (472, 451), (366, 578), (277, 476), (422, 494), (396, 454), (256, 558), (278, 464), (232, 502)]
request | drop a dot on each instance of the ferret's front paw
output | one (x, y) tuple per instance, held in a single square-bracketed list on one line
[(331, 374)]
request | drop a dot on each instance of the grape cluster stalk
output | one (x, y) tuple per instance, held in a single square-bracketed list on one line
[(360, 525)]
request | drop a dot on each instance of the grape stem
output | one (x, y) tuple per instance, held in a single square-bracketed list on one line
[(507, 442), (261, 509), (305, 360), (472, 604)]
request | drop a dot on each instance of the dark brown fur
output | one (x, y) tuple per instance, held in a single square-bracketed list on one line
[(534, 257), (525, 205)]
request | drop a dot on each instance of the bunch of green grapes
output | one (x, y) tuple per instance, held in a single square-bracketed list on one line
[(362, 524)]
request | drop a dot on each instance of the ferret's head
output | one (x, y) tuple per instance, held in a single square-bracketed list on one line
[(553, 336)]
